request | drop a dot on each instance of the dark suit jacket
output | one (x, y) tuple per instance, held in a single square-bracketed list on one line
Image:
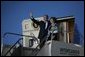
[(43, 32)]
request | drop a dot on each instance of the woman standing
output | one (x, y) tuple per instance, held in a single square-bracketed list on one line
[(53, 30)]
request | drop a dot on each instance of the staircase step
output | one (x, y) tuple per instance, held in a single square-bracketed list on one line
[(23, 51)]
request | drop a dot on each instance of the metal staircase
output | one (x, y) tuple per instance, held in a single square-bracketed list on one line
[(20, 50), (13, 48)]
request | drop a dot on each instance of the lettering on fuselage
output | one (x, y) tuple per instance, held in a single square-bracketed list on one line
[(72, 52)]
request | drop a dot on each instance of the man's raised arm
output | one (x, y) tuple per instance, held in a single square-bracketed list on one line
[(32, 18)]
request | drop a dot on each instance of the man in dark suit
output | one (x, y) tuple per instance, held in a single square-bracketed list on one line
[(44, 25)]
